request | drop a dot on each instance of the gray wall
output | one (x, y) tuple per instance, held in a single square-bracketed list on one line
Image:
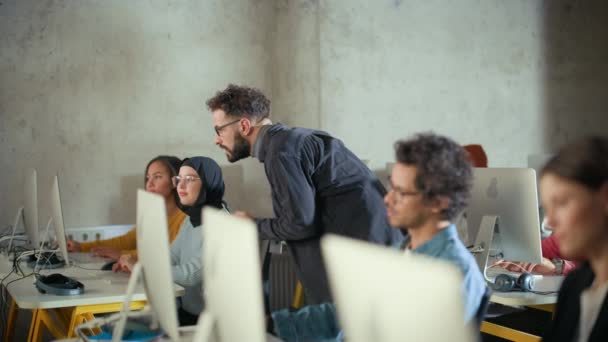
[(94, 89)]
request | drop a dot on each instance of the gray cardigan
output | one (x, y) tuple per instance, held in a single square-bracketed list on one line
[(186, 261)]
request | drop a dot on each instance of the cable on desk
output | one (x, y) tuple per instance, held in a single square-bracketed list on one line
[(73, 264)]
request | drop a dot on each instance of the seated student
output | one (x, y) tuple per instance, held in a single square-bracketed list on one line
[(574, 192), (159, 172), (200, 183), (430, 184)]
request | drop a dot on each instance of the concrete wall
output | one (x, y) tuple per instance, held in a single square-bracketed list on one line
[(515, 76), (94, 89)]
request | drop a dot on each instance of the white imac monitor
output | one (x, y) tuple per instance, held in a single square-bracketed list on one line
[(510, 194), (382, 294), (30, 208), (234, 309), (57, 219), (154, 257)]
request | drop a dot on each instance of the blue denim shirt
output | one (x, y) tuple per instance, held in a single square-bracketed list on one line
[(447, 246), (319, 323)]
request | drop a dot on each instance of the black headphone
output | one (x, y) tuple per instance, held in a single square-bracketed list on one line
[(506, 283), (58, 284)]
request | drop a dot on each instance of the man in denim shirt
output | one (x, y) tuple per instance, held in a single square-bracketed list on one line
[(430, 184)]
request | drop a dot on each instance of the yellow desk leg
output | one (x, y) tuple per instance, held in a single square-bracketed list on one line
[(33, 324), (298, 297), (42, 319), (10, 323), (55, 328), (84, 313), (507, 333)]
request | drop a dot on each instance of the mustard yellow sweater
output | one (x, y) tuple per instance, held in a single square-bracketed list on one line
[(127, 243)]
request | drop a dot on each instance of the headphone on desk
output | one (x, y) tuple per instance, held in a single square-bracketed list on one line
[(507, 283)]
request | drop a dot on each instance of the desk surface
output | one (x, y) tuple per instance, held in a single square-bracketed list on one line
[(101, 287), (522, 298)]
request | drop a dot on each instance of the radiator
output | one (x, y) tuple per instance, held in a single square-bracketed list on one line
[(282, 281)]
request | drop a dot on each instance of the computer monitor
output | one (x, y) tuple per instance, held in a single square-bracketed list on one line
[(382, 294), (57, 220), (154, 264), (155, 259), (537, 162), (234, 309), (30, 208), (28, 213), (510, 194)]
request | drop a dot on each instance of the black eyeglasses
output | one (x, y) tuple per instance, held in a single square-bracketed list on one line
[(218, 129)]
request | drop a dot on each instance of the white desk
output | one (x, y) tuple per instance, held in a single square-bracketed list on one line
[(104, 292), (522, 298)]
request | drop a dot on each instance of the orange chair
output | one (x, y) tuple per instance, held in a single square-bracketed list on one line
[(477, 155)]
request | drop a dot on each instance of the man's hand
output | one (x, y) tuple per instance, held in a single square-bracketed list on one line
[(106, 252), (124, 264), (244, 215), (73, 246)]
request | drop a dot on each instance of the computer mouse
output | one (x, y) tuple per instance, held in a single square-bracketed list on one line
[(108, 265)]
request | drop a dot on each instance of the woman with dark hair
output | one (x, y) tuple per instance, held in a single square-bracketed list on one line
[(158, 175), (199, 183), (574, 191)]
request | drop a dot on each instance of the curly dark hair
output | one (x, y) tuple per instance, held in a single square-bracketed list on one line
[(239, 101), (443, 166), (584, 161)]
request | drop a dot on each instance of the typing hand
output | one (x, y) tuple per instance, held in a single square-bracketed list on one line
[(545, 268), (106, 252), (73, 246), (244, 215), (124, 264)]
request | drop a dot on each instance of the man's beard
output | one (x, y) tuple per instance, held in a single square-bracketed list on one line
[(241, 149)]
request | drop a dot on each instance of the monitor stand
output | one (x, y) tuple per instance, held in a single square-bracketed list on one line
[(483, 242), (45, 259)]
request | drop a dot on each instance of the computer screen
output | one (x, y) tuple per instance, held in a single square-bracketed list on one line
[(537, 162), (232, 278), (30, 208), (382, 294), (510, 194), (57, 219), (154, 257)]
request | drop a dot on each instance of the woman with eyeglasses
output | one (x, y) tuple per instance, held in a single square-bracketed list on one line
[(158, 180), (574, 191), (199, 183)]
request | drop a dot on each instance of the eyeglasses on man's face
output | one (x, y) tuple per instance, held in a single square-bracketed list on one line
[(187, 179), (400, 194), (218, 129)]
